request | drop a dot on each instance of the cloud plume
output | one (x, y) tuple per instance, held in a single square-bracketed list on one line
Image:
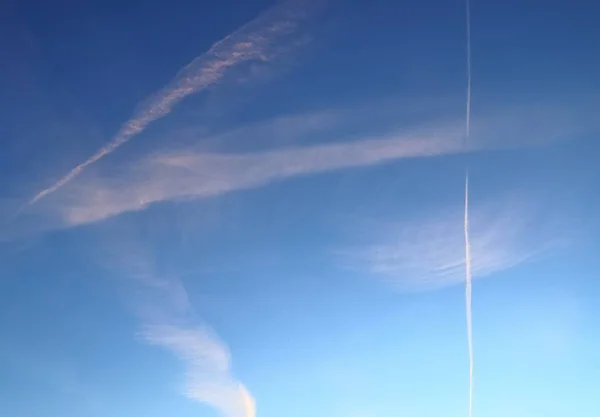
[(258, 40), (208, 375), (168, 321)]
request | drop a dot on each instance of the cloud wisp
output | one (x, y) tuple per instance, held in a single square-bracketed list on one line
[(167, 321), (427, 252), (259, 40)]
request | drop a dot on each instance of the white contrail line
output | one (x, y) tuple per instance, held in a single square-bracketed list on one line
[(468, 112), (468, 277), (247, 43), (468, 281)]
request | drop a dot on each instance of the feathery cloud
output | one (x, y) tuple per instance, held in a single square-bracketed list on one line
[(427, 253)]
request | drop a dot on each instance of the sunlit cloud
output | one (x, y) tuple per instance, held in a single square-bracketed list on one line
[(208, 374), (168, 321)]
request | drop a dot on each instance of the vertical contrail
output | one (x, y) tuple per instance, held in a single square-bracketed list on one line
[(468, 293), (468, 118), (468, 278)]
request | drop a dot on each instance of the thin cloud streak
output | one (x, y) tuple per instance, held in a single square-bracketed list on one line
[(254, 41)]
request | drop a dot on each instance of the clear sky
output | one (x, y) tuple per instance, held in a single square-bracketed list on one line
[(248, 208)]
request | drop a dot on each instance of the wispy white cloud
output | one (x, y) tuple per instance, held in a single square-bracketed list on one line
[(260, 40), (427, 252), (208, 375), (168, 321)]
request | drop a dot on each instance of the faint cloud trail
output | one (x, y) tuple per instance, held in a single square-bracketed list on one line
[(253, 41), (468, 277)]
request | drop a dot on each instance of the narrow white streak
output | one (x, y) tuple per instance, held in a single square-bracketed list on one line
[(468, 109), (468, 278), (468, 284), (252, 42)]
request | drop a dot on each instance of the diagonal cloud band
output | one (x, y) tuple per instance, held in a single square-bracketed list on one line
[(194, 175)]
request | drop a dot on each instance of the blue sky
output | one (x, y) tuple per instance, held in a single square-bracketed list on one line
[(247, 209)]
